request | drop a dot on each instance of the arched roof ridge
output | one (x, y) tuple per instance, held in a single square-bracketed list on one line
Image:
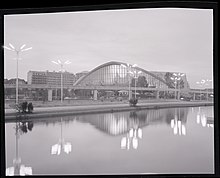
[(117, 63)]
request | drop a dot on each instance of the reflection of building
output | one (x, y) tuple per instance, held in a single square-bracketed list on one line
[(50, 78), (120, 123)]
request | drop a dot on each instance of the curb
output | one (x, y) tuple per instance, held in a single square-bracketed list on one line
[(14, 116)]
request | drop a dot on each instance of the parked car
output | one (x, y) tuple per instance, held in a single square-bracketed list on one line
[(185, 98)]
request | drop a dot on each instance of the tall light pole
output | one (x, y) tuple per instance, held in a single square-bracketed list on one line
[(129, 71), (177, 77), (135, 74), (61, 66), (17, 51)]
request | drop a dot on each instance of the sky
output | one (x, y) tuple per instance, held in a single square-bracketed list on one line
[(156, 39)]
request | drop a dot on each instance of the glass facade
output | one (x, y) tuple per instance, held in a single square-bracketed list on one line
[(117, 75)]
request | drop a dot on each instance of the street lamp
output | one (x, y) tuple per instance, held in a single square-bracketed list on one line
[(128, 67), (177, 77), (135, 74), (61, 145), (61, 65), (129, 71), (17, 51), (203, 83)]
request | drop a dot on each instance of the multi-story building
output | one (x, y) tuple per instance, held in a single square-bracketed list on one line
[(54, 78), (13, 81), (50, 78), (36, 77)]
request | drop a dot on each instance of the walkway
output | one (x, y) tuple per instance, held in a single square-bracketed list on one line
[(88, 109)]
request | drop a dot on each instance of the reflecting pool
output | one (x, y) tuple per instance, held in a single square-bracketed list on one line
[(161, 141)]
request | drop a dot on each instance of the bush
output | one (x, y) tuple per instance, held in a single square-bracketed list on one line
[(133, 101)]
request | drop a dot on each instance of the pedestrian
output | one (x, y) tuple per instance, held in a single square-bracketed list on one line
[(30, 107), (24, 107)]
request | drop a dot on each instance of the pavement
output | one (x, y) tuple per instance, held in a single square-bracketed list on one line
[(40, 112)]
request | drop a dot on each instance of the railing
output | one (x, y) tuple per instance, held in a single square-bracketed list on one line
[(44, 86)]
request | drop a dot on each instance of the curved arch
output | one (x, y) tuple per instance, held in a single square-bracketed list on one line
[(118, 63)]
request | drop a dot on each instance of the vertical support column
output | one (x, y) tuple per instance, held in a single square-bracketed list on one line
[(194, 96), (178, 95), (55, 94), (95, 94), (157, 94), (50, 92), (129, 94), (207, 96)]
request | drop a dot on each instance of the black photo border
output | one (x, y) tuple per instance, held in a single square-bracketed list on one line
[(35, 7)]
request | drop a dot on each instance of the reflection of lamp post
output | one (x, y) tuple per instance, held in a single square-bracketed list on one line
[(203, 83), (203, 119), (129, 67), (177, 77), (61, 65), (21, 49), (177, 126), (61, 145), (131, 136), (18, 168)]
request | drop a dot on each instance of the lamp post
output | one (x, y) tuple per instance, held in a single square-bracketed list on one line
[(61, 145), (177, 77), (135, 74), (202, 83), (129, 68), (61, 66), (17, 51)]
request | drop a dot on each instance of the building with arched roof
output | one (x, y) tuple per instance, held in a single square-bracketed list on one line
[(118, 74)]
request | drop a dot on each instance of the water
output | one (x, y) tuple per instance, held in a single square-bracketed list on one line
[(166, 141)]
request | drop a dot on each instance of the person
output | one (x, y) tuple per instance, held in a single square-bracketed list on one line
[(30, 107), (24, 106)]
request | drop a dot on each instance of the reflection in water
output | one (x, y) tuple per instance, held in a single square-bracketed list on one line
[(18, 168), (130, 123), (61, 145), (121, 123), (177, 124), (204, 120), (131, 137), (133, 134), (157, 134)]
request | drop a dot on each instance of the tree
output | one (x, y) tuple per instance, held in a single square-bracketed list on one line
[(142, 82), (168, 79)]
